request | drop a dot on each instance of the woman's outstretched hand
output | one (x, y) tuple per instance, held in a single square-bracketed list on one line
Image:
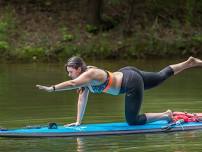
[(72, 124), (48, 89)]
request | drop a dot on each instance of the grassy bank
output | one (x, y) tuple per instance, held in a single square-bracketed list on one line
[(48, 36)]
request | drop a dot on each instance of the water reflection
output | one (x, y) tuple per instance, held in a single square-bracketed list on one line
[(80, 144), (172, 142)]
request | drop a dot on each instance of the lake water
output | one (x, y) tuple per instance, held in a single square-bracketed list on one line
[(22, 104)]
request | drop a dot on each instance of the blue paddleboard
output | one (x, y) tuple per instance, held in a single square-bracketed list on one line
[(98, 129)]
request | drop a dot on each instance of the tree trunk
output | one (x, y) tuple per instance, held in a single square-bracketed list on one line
[(128, 26), (94, 11)]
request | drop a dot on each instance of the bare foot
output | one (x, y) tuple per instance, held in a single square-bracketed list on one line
[(193, 62), (189, 63), (169, 115)]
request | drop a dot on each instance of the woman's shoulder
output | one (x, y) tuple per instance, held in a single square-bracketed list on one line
[(93, 70), (91, 66)]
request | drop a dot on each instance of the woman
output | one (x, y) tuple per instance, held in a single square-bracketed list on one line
[(128, 80)]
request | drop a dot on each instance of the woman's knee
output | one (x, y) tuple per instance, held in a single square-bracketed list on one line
[(139, 120), (166, 73)]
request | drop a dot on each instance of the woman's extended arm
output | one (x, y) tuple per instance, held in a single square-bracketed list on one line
[(80, 81), (82, 101)]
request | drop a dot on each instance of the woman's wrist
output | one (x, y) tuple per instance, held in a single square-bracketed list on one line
[(78, 123), (53, 88)]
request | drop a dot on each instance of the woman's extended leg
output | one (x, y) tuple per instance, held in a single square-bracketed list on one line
[(191, 62), (136, 81), (153, 79)]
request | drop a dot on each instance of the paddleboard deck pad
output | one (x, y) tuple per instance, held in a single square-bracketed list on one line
[(98, 129)]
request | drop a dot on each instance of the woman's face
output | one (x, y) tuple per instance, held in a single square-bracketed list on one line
[(73, 73)]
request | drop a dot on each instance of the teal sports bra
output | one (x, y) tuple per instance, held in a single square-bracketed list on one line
[(102, 87)]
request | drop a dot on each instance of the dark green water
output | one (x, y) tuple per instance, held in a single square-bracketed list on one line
[(22, 104)]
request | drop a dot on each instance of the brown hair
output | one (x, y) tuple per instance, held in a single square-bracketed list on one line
[(76, 62)]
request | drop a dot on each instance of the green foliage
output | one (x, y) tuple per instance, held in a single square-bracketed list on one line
[(4, 48), (109, 23), (189, 10), (197, 38), (31, 53), (158, 28), (91, 28), (3, 27), (66, 36), (4, 45), (7, 23), (99, 47), (67, 51)]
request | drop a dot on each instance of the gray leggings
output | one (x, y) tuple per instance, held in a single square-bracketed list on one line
[(133, 84)]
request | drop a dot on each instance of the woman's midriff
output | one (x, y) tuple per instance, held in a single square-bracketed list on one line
[(116, 83)]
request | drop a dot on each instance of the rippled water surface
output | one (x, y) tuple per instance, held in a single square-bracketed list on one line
[(21, 104)]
